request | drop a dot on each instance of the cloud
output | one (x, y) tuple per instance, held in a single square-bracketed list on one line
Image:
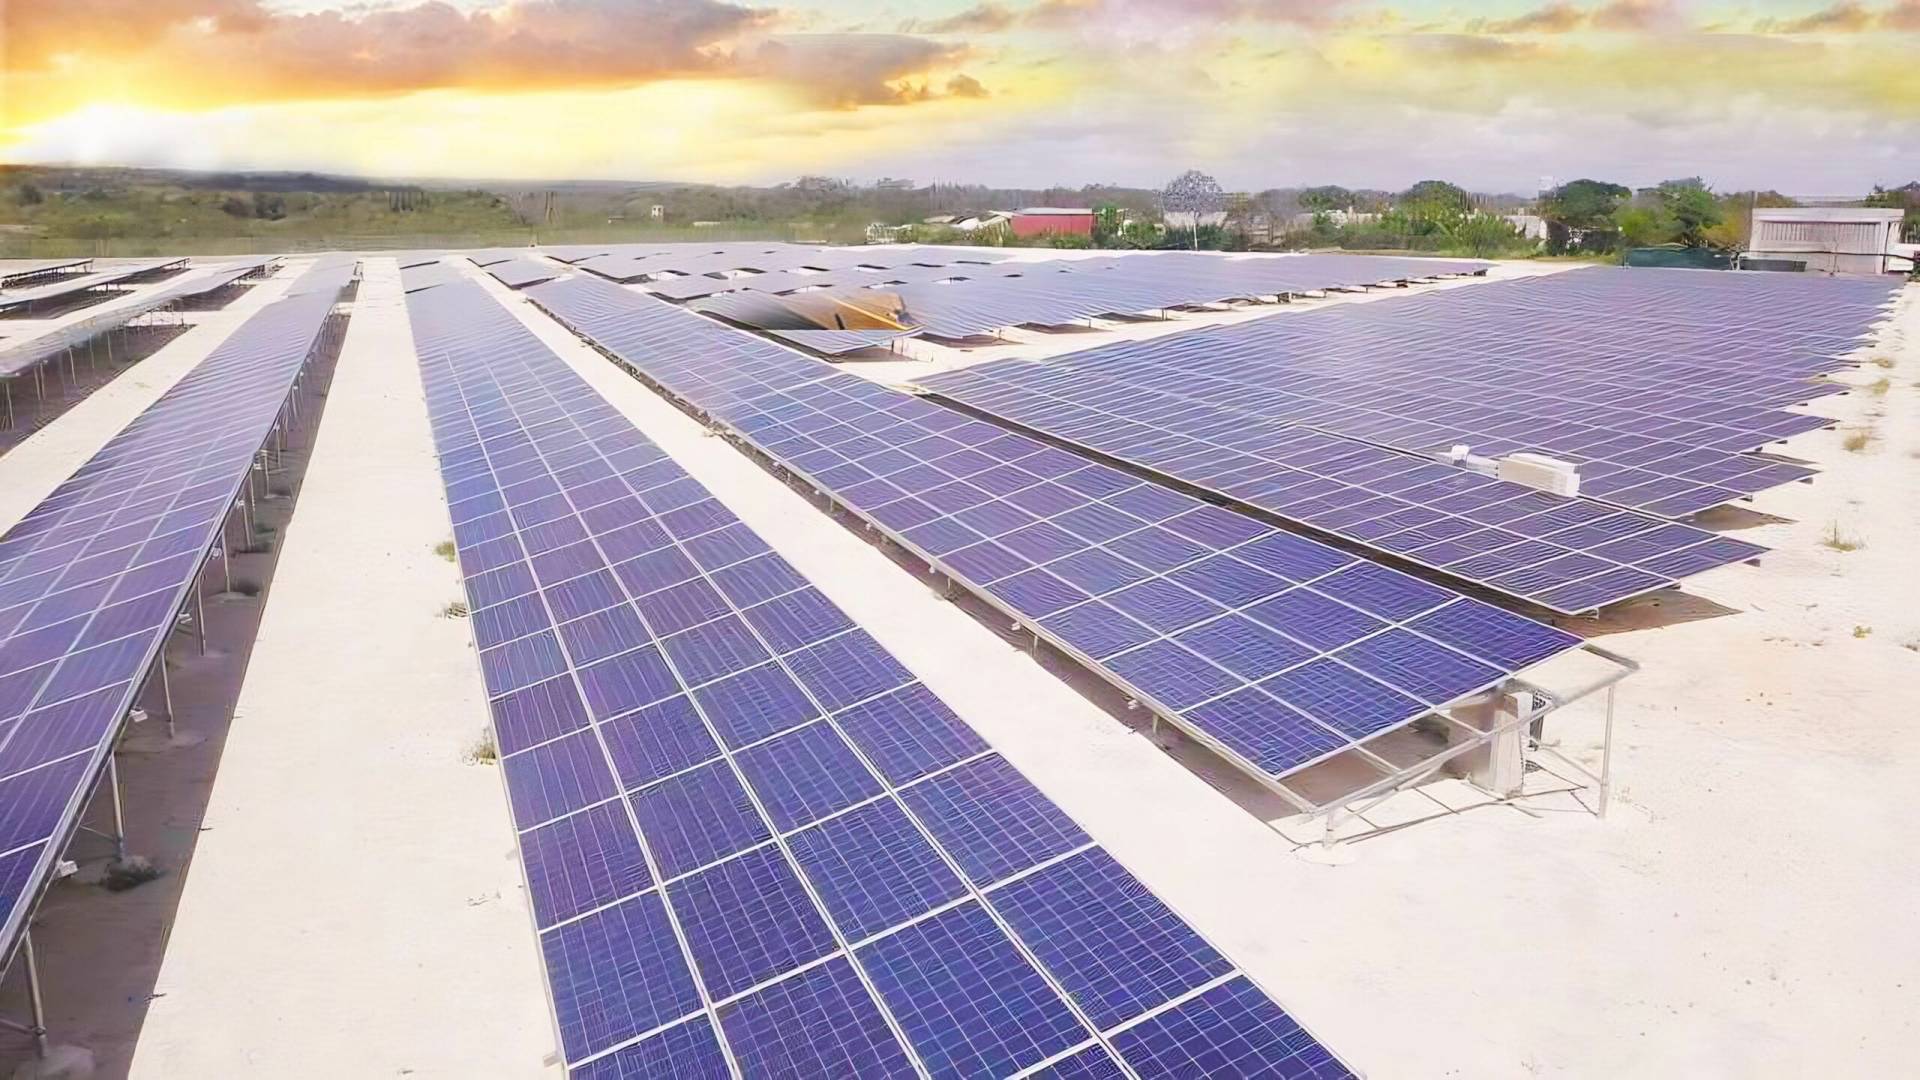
[(217, 51), (965, 86), (988, 18), (844, 71), (1631, 15), (1846, 17), (1555, 18)]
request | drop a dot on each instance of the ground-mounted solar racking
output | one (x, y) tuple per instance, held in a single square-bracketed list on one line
[(520, 273), (1658, 407), (956, 302), (1565, 555), (755, 844), (93, 579), (66, 292), (20, 277), (28, 356), (1275, 651)]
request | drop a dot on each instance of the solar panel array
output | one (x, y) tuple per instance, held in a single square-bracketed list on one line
[(1566, 555), (21, 302), (1275, 650), (889, 273), (429, 274), (1613, 369), (837, 342), (694, 260), (92, 579), (19, 356), (520, 273), (25, 274), (754, 843), (1067, 291)]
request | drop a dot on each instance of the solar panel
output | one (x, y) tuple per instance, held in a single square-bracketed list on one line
[(427, 275), (92, 578), (19, 356), (520, 273), (22, 302), (1067, 291), (1566, 555), (16, 276), (1256, 640), (743, 822), (1656, 383)]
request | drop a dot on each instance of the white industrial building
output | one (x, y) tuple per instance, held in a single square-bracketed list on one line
[(1831, 239)]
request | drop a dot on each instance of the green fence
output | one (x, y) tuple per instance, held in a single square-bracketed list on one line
[(1683, 258)]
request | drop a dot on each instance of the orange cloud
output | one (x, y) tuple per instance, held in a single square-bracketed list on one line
[(1555, 18), (1626, 15), (1846, 17)]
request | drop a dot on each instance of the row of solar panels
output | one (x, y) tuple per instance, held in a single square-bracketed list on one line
[(92, 578), (26, 301), (670, 262), (19, 356), (19, 276), (1666, 435), (755, 844), (1276, 650)]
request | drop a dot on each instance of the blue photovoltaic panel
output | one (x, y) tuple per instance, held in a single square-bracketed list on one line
[(92, 577), (1065, 291), (754, 843), (1230, 1030), (1255, 639), (1657, 384), (1566, 555), (429, 274), (520, 273)]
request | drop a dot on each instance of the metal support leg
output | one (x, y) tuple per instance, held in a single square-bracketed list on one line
[(1606, 754), (119, 818), (226, 559), (166, 690), (36, 1008), (200, 617)]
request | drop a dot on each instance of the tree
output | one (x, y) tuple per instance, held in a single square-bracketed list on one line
[(1690, 205), (1107, 222), (1193, 192), (1641, 226), (29, 195), (1326, 197), (1583, 204), (1436, 195)]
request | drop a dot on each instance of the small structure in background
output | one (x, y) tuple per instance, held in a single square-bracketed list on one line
[(1063, 221), (1831, 239)]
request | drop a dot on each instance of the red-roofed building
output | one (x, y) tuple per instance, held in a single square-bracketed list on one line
[(1040, 220)]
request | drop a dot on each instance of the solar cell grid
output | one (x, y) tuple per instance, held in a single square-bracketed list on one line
[(785, 886), (1125, 574), (1621, 375), (91, 578)]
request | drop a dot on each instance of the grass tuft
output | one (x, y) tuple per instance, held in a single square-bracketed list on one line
[(1862, 631), (445, 550), (1880, 386), (455, 610), (1840, 540), (1883, 361), (1857, 440), (483, 751)]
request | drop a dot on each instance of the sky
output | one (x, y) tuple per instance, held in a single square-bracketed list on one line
[(1804, 98)]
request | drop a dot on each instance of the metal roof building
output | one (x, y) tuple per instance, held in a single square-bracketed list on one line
[(1831, 239)]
